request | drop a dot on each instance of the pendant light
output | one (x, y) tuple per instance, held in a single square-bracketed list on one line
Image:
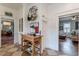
[(73, 17)]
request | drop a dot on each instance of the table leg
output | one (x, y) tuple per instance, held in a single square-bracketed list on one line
[(33, 48), (21, 44)]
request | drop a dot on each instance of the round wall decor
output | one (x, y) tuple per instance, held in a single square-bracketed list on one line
[(32, 14)]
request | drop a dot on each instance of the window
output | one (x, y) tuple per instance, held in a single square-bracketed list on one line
[(67, 27)]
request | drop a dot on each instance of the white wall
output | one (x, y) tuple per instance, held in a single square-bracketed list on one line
[(19, 16), (52, 31), (27, 7), (42, 10)]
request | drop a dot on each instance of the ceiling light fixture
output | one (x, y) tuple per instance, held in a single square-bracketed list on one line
[(73, 17), (7, 23)]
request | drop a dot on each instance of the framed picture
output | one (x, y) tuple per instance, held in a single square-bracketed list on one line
[(35, 27), (21, 25)]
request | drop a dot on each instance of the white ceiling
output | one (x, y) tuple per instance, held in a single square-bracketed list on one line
[(12, 5), (20, 5), (69, 16)]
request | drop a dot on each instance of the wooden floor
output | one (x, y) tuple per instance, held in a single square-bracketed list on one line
[(68, 47), (12, 50), (7, 39)]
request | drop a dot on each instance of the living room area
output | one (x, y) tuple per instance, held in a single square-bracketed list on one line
[(68, 34)]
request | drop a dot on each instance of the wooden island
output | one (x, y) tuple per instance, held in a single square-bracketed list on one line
[(33, 43)]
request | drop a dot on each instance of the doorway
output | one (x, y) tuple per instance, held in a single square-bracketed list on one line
[(7, 32), (68, 34)]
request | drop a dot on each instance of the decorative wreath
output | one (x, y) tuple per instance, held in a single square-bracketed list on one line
[(32, 14)]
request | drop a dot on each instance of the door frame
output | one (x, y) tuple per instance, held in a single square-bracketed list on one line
[(5, 18), (65, 13)]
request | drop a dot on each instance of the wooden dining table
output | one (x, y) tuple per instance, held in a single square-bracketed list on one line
[(33, 40)]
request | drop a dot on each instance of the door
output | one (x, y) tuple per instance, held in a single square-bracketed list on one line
[(7, 32)]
